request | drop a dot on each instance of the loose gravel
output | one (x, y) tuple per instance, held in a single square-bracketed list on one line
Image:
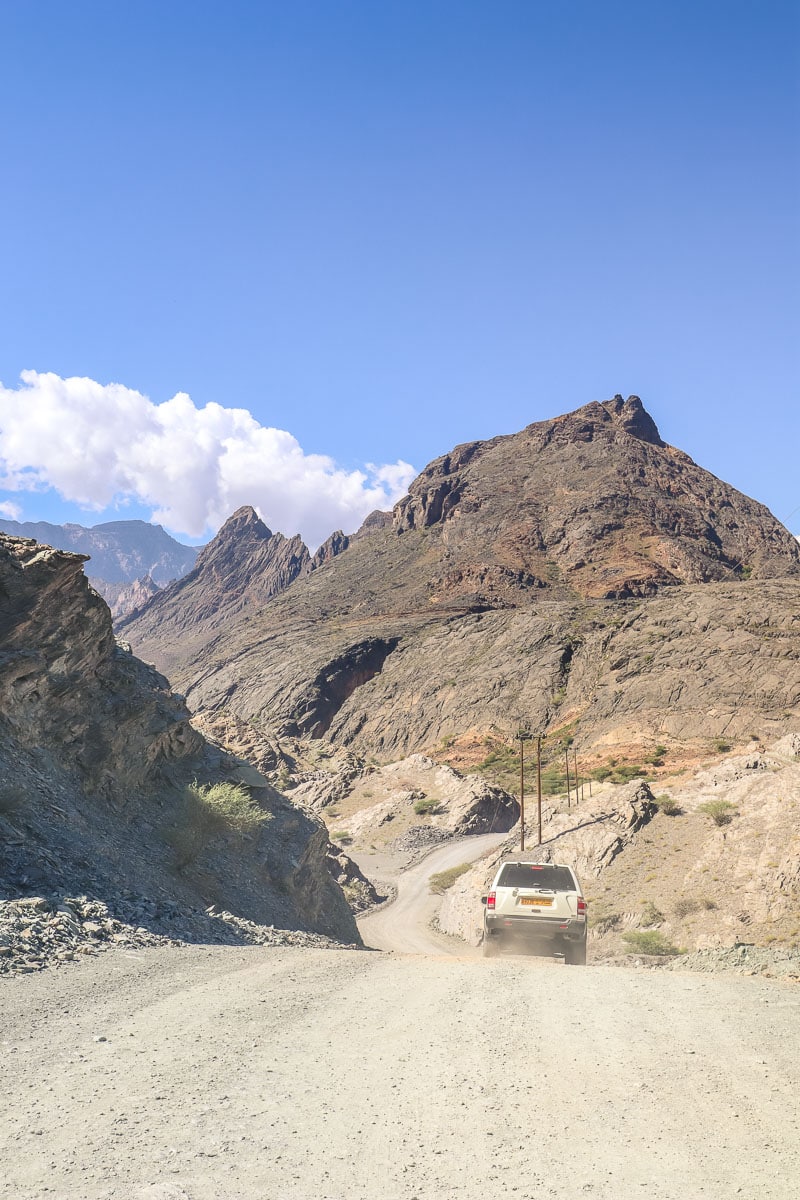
[(51, 930)]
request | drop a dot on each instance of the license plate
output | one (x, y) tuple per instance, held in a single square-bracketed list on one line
[(538, 901)]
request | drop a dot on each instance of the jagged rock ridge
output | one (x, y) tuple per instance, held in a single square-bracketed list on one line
[(242, 568)]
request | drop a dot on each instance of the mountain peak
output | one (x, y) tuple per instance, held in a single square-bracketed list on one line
[(244, 521), (632, 416)]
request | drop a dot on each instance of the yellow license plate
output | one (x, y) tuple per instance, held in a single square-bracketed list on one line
[(538, 901)]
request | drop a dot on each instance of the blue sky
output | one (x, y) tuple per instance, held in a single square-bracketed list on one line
[(385, 229)]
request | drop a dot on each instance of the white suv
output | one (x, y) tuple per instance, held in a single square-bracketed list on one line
[(538, 906)]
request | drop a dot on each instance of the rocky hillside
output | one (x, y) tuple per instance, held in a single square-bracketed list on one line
[(581, 575), (96, 753), (711, 862), (130, 560), (411, 803)]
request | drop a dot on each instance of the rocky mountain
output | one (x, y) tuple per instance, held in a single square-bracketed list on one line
[(242, 568), (124, 598), (378, 807), (96, 753), (130, 560), (582, 575)]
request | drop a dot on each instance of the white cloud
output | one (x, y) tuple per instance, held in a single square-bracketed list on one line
[(11, 512), (98, 444)]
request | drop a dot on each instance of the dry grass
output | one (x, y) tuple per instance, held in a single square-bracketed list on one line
[(440, 882)]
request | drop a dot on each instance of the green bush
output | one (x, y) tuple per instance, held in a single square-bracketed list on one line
[(443, 880), (617, 772), (668, 806), (627, 772), (721, 812), (426, 807), (649, 941), (342, 838), (656, 756), (210, 811), (226, 806)]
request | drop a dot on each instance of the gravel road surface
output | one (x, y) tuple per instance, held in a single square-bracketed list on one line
[(271, 1073), (405, 924)]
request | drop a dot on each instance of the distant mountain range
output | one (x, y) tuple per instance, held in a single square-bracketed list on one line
[(129, 561)]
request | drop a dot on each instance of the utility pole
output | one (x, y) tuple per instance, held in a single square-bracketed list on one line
[(523, 735), (539, 782), (569, 789), (575, 765)]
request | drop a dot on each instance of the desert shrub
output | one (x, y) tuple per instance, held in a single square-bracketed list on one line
[(685, 906), (707, 903), (656, 756), (226, 806), (721, 745), (443, 880), (553, 781), (627, 772), (668, 806), (721, 812), (209, 811), (342, 838), (617, 772), (649, 941), (426, 807), (651, 914)]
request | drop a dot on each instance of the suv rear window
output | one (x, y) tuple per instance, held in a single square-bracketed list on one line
[(529, 875)]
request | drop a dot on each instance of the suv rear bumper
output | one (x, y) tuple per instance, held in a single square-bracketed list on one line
[(535, 929)]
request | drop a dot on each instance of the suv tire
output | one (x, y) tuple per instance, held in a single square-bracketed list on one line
[(576, 955), (491, 946)]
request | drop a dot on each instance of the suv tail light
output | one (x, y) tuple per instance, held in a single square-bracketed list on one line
[(490, 899), (581, 906)]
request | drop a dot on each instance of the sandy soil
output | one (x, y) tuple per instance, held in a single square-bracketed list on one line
[(219, 1073)]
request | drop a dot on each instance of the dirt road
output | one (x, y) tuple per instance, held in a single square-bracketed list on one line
[(294, 1074), (290, 1074), (404, 925)]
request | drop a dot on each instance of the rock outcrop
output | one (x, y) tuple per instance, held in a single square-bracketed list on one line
[(120, 551), (377, 805), (96, 752)]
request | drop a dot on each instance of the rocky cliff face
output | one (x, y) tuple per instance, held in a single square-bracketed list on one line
[(95, 754)]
